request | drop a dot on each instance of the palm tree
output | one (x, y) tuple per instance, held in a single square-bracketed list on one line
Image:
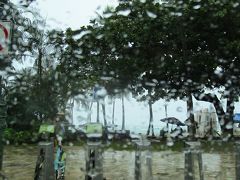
[(98, 119), (104, 114), (150, 126), (165, 107), (113, 113), (70, 108), (123, 114)]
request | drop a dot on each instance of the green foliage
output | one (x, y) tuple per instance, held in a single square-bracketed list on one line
[(22, 136), (18, 137), (169, 50), (9, 134)]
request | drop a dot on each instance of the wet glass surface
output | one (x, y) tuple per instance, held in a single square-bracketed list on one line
[(120, 164), (123, 89)]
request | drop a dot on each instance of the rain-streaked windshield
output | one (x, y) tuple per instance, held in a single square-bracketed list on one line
[(119, 89)]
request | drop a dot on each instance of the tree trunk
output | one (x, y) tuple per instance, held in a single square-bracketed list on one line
[(90, 112), (39, 65), (3, 114), (150, 126), (165, 106), (227, 125), (113, 113), (39, 84), (104, 115), (123, 114), (98, 120), (192, 126), (71, 109)]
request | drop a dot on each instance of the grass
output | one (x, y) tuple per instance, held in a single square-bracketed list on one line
[(218, 146), (125, 144), (120, 145), (178, 145)]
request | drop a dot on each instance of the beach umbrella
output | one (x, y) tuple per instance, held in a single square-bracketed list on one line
[(172, 120)]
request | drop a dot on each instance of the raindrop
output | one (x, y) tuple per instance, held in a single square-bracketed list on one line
[(179, 109), (235, 4), (124, 12), (80, 35), (229, 125), (169, 142), (70, 144), (107, 15), (178, 14), (150, 84), (197, 6), (151, 15)]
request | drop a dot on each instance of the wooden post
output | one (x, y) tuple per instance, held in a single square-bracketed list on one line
[(143, 154), (188, 166), (237, 157), (94, 161), (138, 175), (3, 176), (1, 148), (47, 169), (193, 161), (149, 164)]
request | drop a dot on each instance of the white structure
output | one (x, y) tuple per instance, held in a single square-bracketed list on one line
[(207, 123)]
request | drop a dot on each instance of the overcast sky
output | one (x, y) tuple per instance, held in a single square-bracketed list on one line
[(71, 13), (66, 13)]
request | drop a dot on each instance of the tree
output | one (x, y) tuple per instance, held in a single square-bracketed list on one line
[(212, 40), (24, 107), (177, 45), (32, 42), (140, 49)]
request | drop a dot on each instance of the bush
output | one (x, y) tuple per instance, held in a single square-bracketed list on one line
[(9, 135), (22, 137), (17, 137)]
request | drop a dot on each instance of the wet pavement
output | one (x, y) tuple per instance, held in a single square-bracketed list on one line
[(19, 163)]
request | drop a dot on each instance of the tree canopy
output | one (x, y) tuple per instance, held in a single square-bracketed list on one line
[(174, 47), (168, 49)]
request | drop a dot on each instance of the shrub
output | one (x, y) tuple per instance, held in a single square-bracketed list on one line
[(17, 137)]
